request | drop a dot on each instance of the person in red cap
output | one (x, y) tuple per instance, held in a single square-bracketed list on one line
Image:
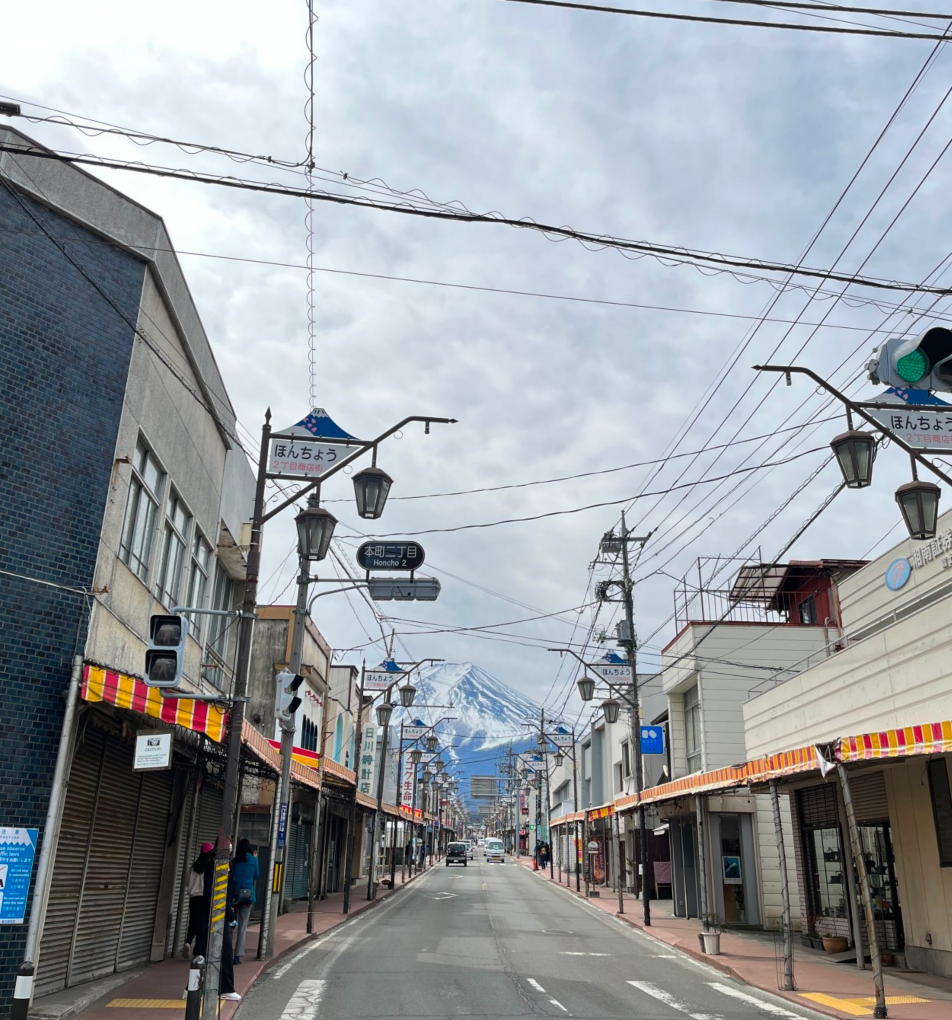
[(197, 904)]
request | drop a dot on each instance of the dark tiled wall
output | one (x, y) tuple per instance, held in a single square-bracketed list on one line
[(64, 356)]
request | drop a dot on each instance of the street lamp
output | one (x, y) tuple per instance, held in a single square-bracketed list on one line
[(558, 759), (415, 755), (407, 694), (315, 528), (543, 744), (610, 707), (371, 488), (919, 503), (586, 688), (432, 742), (384, 711), (855, 452)]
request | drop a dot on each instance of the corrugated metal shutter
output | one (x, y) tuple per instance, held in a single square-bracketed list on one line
[(299, 843), (145, 873), (71, 857), (187, 852), (209, 813), (869, 797), (96, 939)]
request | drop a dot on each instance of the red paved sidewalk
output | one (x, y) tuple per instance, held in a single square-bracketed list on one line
[(755, 958), (156, 993)]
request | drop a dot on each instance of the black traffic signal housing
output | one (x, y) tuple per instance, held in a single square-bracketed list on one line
[(923, 362), (165, 654), (286, 699)]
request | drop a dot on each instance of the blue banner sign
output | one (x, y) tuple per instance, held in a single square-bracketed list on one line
[(17, 849)]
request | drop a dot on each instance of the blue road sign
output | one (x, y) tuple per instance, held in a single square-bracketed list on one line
[(652, 740)]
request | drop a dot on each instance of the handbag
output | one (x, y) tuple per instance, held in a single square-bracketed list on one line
[(244, 898)]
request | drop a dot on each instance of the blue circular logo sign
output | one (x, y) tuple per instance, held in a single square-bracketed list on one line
[(897, 573)]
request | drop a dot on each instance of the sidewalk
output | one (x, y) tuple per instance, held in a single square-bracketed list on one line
[(755, 958), (155, 994)]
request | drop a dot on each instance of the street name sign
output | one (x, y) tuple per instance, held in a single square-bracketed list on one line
[(482, 787), (391, 556), (414, 732), (303, 458), (380, 679), (930, 431), (561, 739)]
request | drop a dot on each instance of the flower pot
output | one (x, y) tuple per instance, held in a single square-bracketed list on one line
[(835, 943), (710, 942)]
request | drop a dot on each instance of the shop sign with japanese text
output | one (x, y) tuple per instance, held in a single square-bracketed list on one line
[(379, 679)]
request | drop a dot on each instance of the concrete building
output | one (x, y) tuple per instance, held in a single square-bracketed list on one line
[(877, 700), (125, 494)]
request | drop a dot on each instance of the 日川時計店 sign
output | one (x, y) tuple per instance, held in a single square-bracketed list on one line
[(304, 458)]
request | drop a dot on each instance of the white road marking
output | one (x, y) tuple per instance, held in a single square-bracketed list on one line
[(584, 954), (555, 1002), (669, 1000), (767, 1007), (317, 943), (305, 1003)]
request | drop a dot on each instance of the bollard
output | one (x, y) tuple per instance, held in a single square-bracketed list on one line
[(23, 994), (193, 991)]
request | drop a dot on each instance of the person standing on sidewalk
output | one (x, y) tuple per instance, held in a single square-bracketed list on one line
[(226, 982), (197, 904), (244, 876)]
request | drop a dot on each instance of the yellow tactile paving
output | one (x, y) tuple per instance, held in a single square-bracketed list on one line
[(146, 1004), (859, 1007)]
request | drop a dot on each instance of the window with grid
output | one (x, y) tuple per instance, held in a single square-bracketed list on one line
[(138, 529), (198, 580), (219, 627), (178, 524), (626, 759), (692, 728)]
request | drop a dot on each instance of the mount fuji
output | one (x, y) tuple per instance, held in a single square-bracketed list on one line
[(488, 717)]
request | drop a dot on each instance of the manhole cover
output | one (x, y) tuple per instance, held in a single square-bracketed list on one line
[(556, 931)]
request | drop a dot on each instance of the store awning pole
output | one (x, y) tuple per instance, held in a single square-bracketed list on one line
[(879, 1010), (788, 984), (701, 868)]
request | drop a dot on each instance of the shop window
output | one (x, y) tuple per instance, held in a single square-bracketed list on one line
[(941, 809), (731, 866), (692, 728), (808, 613), (138, 529), (178, 524)]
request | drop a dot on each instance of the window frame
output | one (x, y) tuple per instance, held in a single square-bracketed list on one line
[(216, 645), (933, 766), (176, 541), (136, 553), (692, 711), (807, 607), (196, 569), (626, 759)]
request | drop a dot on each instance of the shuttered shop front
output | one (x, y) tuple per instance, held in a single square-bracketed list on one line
[(105, 885)]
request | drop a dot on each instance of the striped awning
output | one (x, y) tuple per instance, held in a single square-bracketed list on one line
[(606, 811), (928, 738), (127, 692), (311, 759)]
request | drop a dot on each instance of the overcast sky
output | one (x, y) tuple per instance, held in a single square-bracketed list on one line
[(728, 139)]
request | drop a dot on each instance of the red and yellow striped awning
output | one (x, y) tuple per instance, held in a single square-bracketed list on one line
[(928, 738), (300, 754), (127, 692), (606, 811)]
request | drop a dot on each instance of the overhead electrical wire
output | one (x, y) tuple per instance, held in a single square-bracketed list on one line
[(667, 254)]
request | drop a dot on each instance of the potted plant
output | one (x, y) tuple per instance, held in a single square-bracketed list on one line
[(833, 943), (710, 937)]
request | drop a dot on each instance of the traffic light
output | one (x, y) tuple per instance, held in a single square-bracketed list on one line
[(165, 654), (923, 362), (286, 700)]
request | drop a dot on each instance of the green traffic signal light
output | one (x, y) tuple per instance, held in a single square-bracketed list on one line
[(913, 366)]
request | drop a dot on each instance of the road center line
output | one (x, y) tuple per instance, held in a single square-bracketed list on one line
[(767, 1007), (305, 1003), (669, 1000), (584, 954)]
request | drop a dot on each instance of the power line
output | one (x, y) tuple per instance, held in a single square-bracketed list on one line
[(667, 254), (739, 22)]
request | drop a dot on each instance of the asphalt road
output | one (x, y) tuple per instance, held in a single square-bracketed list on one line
[(492, 940)]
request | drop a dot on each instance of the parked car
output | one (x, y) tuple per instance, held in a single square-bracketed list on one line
[(495, 851), (456, 854)]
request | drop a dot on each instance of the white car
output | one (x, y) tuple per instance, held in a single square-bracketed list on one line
[(494, 851)]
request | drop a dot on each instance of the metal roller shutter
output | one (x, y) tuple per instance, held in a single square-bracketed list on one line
[(869, 797), (209, 812), (96, 937), (70, 863), (187, 852), (145, 873), (299, 844)]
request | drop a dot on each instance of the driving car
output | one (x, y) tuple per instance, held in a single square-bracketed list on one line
[(495, 851), (456, 854), (470, 849)]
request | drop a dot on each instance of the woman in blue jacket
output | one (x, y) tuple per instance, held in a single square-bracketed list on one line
[(244, 877)]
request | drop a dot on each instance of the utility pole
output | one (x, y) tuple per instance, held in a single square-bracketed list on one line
[(634, 702), (352, 820)]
